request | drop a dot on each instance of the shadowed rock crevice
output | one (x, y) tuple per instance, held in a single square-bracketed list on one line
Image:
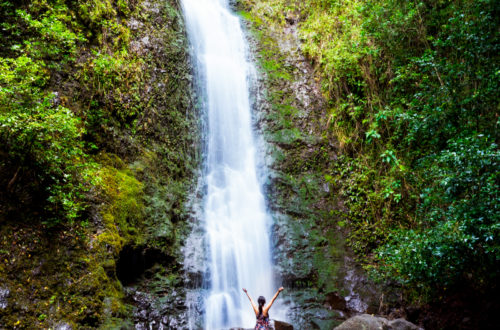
[(134, 261)]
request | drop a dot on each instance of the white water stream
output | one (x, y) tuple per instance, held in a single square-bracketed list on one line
[(235, 215)]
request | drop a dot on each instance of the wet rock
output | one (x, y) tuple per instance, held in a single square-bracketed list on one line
[(370, 322), (134, 24), (4, 294), (194, 245), (324, 324), (323, 319), (63, 326), (335, 301), (145, 41), (402, 324), (195, 302), (364, 321), (142, 314), (280, 325), (362, 295), (57, 99), (303, 255), (167, 311), (152, 7), (140, 327), (308, 311), (174, 324)]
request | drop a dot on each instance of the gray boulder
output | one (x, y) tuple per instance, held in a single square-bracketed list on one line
[(402, 324), (370, 322)]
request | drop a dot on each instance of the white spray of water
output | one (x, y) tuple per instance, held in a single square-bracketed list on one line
[(235, 214)]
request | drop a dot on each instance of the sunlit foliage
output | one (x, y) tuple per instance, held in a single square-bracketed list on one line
[(412, 90)]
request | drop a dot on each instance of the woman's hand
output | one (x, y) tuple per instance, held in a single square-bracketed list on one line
[(280, 289), (244, 290)]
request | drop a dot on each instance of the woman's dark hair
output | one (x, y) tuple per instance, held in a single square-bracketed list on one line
[(261, 302)]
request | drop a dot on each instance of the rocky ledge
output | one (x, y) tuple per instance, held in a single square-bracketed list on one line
[(371, 322)]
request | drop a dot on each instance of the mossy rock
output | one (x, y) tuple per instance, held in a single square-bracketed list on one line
[(124, 210)]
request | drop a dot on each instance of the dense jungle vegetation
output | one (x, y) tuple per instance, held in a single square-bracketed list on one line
[(412, 90), (98, 144)]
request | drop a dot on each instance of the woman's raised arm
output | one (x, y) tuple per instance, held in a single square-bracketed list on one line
[(266, 309), (255, 309)]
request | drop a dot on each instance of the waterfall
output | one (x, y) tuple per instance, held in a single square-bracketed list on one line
[(235, 218)]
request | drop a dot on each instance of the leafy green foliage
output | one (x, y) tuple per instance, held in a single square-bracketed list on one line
[(55, 40), (40, 134), (111, 79), (446, 132), (458, 219), (412, 89)]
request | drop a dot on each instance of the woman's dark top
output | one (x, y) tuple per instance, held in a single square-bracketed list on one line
[(262, 322)]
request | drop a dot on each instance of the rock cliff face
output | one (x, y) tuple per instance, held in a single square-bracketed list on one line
[(133, 259), (119, 263), (324, 284)]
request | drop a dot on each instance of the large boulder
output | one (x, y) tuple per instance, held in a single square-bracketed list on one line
[(370, 322), (280, 325)]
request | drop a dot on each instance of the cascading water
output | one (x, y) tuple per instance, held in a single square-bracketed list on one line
[(235, 215)]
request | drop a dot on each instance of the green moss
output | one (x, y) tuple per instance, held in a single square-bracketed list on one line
[(96, 11), (275, 70), (287, 136), (246, 15), (329, 261), (70, 282), (132, 115), (124, 208)]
